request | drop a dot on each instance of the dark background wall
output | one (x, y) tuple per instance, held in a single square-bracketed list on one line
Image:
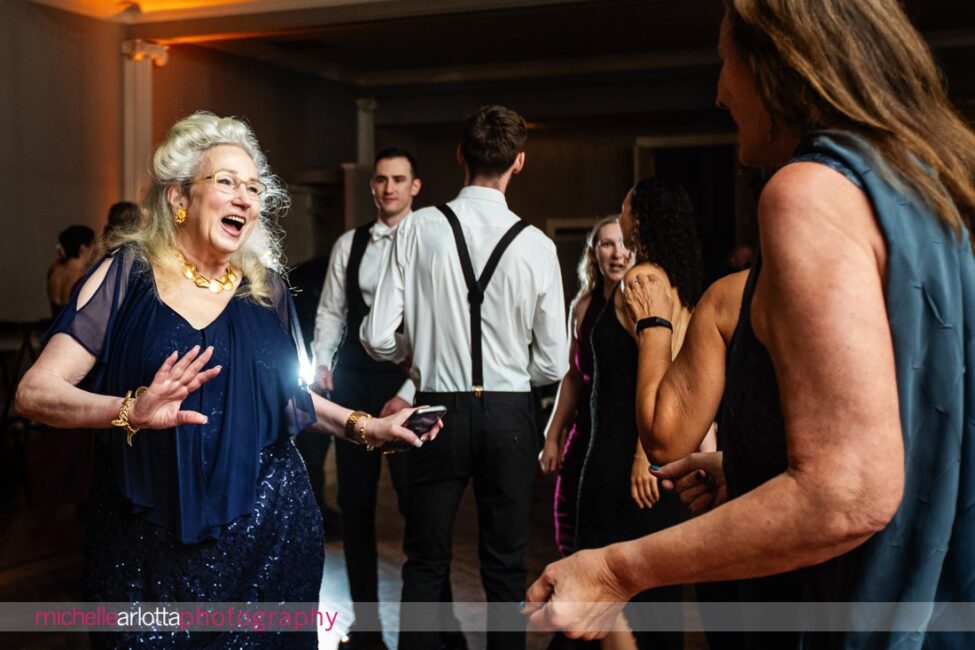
[(60, 131), (301, 121), (60, 141)]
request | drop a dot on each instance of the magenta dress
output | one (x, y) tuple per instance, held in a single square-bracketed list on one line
[(577, 442)]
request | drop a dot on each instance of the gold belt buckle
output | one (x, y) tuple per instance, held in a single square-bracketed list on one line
[(478, 390)]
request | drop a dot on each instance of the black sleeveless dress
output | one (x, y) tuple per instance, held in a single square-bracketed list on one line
[(606, 512), (751, 434), (577, 441)]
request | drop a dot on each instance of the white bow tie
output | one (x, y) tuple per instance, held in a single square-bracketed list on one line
[(379, 231)]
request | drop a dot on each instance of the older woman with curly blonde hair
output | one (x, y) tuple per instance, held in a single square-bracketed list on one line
[(180, 349)]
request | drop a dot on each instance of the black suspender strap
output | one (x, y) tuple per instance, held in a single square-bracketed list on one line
[(477, 286)]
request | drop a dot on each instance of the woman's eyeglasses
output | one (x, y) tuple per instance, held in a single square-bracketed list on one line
[(228, 183)]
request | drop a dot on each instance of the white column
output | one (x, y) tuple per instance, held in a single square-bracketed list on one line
[(138, 57), (366, 130)]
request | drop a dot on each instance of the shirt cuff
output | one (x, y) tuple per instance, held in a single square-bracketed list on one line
[(407, 392)]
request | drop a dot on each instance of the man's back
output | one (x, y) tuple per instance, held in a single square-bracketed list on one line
[(478, 359), (523, 301)]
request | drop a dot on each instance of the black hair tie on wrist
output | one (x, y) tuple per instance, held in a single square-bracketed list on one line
[(653, 321)]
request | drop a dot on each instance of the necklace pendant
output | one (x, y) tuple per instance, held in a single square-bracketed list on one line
[(216, 285)]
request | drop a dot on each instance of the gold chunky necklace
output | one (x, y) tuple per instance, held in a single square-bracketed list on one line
[(216, 285)]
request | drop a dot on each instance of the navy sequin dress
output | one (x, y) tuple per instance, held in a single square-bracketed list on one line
[(220, 512)]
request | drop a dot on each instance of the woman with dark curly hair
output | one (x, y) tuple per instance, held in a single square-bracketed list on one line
[(618, 497)]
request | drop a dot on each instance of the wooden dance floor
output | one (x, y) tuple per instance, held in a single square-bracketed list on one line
[(41, 542)]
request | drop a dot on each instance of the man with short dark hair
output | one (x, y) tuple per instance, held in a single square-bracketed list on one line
[(479, 293), (360, 383)]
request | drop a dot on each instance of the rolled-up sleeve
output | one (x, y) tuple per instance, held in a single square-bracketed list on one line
[(378, 331), (549, 352), (332, 308)]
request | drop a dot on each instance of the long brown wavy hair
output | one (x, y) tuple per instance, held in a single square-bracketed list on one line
[(860, 66)]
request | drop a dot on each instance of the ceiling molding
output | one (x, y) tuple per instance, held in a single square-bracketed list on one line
[(466, 74), (260, 51), (151, 11), (544, 68), (326, 13), (670, 60)]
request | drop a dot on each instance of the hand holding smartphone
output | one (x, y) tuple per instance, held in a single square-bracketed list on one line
[(422, 420)]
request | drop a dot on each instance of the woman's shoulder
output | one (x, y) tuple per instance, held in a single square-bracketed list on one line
[(580, 305), (646, 268), (808, 210), (721, 303), (277, 284)]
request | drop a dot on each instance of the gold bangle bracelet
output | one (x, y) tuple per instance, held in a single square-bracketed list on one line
[(353, 431), (122, 421), (360, 431)]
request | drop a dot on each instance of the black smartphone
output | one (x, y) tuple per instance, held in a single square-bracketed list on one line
[(421, 421)]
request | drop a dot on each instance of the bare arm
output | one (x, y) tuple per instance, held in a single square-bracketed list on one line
[(819, 308), (331, 419), (677, 402), (566, 400), (48, 391)]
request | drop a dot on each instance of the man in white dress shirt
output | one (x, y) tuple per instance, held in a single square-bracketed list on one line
[(479, 293), (359, 382)]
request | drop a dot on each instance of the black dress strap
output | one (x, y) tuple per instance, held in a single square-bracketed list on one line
[(477, 286)]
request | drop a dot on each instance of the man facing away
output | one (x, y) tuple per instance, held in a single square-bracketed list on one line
[(359, 382), (479, 293)]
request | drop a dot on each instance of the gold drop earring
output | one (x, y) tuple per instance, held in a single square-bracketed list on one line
[(180, 216)]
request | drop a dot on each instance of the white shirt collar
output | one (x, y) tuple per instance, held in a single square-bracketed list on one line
[(380, 230), (482, 193)]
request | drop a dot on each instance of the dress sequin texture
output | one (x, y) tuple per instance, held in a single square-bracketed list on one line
[(217, 513)]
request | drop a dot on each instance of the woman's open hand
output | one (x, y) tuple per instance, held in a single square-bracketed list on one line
[(158, 407), (647, 293)]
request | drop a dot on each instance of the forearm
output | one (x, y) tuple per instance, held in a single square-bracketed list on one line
[(661, 443), (331, 417), (326, 343), (49, 399), (566, 404), (780, 526), (329, 326), (640, 454)]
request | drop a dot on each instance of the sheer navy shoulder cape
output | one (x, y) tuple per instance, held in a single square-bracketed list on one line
[(193, 479)]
